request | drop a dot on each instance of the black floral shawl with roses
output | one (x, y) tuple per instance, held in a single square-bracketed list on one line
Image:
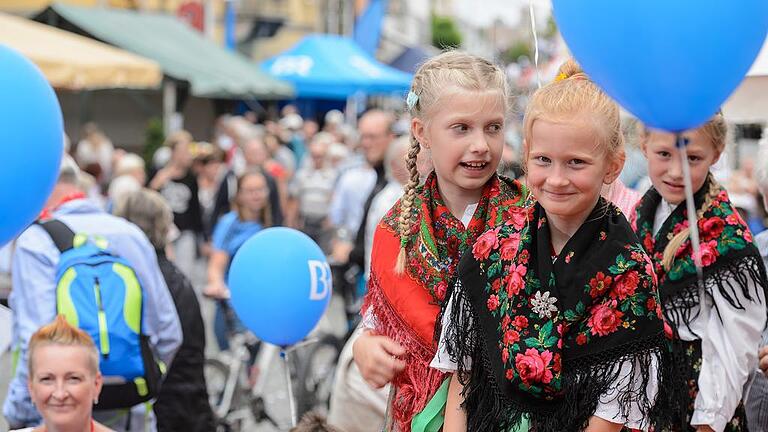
[(728, 255), (545, 339)]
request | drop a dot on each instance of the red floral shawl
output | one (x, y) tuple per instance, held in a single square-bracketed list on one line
[(406, 306)]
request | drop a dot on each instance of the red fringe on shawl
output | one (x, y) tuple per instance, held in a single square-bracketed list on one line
[(417, 383)]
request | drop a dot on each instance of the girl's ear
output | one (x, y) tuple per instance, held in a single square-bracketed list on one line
[(525, 147), (615, 165), (418, 131), (717, 157)]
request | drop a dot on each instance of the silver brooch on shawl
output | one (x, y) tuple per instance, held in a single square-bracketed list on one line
[(544, 305)]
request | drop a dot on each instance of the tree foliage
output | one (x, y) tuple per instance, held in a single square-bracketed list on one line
[(445, 33)]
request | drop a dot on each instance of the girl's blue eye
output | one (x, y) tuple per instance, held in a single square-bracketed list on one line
[(495, 128)]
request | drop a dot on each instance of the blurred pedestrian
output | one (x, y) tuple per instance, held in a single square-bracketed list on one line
[(182, 404), (311, 190), (257, 159), (130, 176), (251, 213), (177, 184), (95, 149), (356, 187)]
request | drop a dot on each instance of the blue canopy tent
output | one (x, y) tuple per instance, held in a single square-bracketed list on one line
[(334, 67)]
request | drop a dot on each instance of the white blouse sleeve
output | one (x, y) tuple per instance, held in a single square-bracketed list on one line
[(729, 355), (442, 360), (609, 407)]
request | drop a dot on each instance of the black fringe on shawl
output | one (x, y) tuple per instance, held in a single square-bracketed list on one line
[(585, 380), (730, 278)]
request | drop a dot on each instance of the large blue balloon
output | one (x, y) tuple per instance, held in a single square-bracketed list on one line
[(31, 142), (672, 63), (281, 285)]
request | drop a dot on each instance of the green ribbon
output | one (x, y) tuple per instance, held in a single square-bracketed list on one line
[(432, 417)]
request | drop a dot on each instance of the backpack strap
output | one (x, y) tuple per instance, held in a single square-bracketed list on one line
[(60, 233)]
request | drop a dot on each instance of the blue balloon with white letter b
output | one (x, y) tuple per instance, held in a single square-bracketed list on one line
[(281, 285), (671, 63), (31, 142)]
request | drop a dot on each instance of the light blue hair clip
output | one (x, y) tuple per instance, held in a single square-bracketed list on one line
[(411, 100)]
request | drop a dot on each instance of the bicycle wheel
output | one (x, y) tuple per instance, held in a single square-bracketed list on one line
[(215, 372), (315, 372)]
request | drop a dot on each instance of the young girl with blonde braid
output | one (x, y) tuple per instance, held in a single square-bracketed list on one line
[(459, 104), (553, 322), (715, 325)]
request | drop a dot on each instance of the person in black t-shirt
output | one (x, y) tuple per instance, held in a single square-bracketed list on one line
[(177, 184)]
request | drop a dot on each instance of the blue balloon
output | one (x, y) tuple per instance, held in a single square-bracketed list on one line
[(671, 63), (32, 141), (281, 285)]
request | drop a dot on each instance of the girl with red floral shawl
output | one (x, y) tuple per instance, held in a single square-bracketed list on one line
[(458, 103), (715, 323), (553, 323)]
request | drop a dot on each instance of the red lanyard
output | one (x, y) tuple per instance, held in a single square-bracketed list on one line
[(48, 213)]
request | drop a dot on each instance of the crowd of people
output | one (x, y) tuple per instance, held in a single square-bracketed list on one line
[(503, 284)]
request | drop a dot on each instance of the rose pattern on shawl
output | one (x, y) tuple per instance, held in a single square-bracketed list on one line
[(598, 284), (534, 367), (721, 230), (509, 247), (493, 302), (604, 319), (528, 344), (708, 252), (486, 243), (625, 285), (515, 280)]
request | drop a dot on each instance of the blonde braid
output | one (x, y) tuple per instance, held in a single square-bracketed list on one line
[(677, 241), (408, 213)]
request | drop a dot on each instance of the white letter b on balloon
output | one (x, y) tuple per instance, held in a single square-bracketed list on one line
[(320, 274)]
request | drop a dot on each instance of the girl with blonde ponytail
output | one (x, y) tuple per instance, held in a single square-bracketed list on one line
[(715, 323), (553, 325), (458, 104)]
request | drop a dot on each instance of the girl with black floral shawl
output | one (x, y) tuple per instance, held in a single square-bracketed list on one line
[(715, 324), (553, 323)]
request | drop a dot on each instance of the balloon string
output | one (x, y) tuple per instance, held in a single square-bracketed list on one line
[(291, 402), (690, 208), (535, 43)]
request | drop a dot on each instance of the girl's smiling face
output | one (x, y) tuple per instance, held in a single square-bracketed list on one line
[(567, 167), (665, 168)]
